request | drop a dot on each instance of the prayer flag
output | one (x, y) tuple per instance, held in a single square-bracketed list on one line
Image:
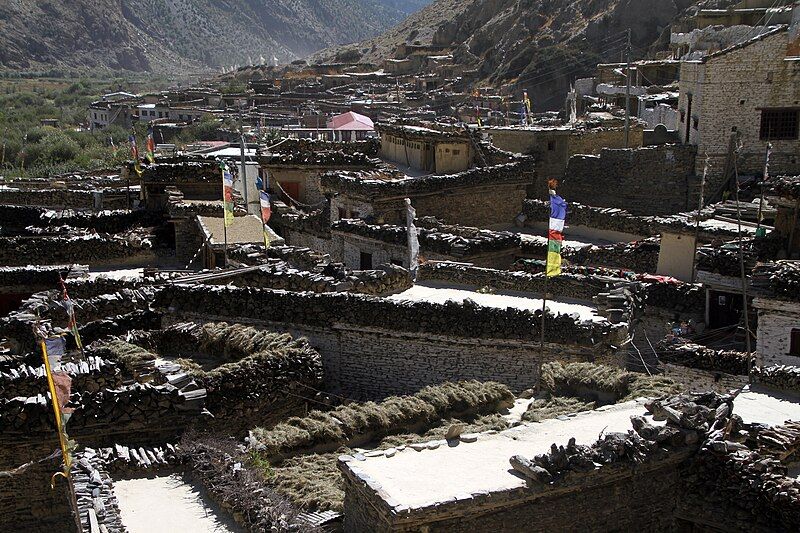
[(266, 212), (59, 384), (413, 239), (151, 146), (266, 208), (527, 102), (137, 166), (227, 194), (555, 234)]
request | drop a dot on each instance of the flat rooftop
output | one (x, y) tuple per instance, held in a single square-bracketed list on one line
[(440, 292), (416, 479), (169, 503), (441, 473), (244, 230)]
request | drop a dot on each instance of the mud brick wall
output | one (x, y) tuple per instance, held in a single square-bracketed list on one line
[(645, 181), (613, 499)]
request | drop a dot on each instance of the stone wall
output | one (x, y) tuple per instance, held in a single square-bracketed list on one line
[(373, 347), (389, 279), (645, 181), (552, 147), (640, 256), (56, 198), (96, 250), (696, 379)]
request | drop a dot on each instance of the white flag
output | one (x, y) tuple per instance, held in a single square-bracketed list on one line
[(413, 240)]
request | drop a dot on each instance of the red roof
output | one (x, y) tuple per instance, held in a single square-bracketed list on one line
[(351, 122)]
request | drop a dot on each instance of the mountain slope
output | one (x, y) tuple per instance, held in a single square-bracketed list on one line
[(161, 35), (538, 45)]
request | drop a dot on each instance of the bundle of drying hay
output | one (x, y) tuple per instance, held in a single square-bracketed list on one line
[(234, 341), (134, 359), (360, 423), (555, 406), (601, 382)]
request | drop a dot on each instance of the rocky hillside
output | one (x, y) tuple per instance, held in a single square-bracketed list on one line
[(163, 35), (539, 45)]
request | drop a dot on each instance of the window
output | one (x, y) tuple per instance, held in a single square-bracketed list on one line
[(397, 262), (683, 116), (794, 342), (366, 261), (456, 152), (695, 122), (342, 213), (551, 145), (160, 114), (779, 124)]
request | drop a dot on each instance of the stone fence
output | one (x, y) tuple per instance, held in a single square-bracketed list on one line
[(355, 185), (464, 244), (638, 256), (605, 218), (368, 147), (329, 309), (94, 249), (389, 279), (181, 170), (63, 198)]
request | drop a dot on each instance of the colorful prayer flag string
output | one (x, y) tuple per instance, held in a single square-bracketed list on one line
[(555, 233)]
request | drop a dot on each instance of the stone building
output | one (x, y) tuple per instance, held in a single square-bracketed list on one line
[(552, 146), (778, 340), (480, 196), (749, 94), (436, 150), (292, 170)]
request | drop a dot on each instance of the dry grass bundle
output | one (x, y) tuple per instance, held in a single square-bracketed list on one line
[(314, 482), (568, 379), (355, 424), (555, 406), (592, 380), (651, 387), (131, 356), (235, 341)]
